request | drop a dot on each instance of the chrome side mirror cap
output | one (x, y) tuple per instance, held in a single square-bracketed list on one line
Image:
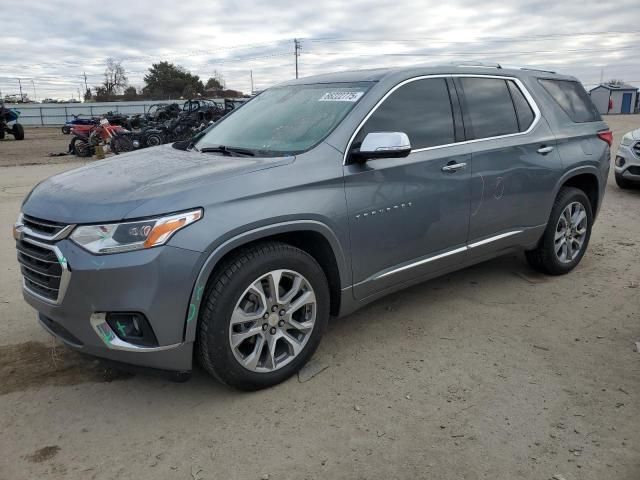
[(384, 145)]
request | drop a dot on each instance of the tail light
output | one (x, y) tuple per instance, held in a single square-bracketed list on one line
[(607, 136)]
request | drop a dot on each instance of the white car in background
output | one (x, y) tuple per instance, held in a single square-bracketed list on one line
[(627, 163)]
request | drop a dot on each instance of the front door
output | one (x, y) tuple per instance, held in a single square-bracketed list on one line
[(408, 217)]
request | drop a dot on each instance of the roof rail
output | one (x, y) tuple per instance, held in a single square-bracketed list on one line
[(529, 69), (476, 64)]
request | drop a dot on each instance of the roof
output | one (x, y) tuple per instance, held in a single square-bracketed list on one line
[(378, 74), (615, 86)]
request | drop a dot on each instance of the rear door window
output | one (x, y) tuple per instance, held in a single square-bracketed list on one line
[(489, 108), (573, 99), (421, 109)]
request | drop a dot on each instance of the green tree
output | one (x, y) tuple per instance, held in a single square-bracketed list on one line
[(166, 80), (130, 93)]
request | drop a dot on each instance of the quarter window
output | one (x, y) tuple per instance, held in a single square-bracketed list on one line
[(523, 109), (490, 110), (421, 109), (573, 99)]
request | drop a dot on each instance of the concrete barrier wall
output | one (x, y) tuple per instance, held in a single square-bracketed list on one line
[(55, 114)]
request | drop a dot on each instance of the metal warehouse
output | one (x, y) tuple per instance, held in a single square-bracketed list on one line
[(615, 97)]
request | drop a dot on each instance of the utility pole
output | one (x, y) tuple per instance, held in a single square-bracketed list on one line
[(35, 95), (296, 53), (85, 81), (21, 97), (251, 74)]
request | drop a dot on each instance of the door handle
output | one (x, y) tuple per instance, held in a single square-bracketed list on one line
[(543, 150), (454, 167)]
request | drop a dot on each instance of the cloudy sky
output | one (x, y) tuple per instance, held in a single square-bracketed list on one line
[(48, 44)]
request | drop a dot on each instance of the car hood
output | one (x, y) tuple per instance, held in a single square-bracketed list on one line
[(635, 134), (108, 190)]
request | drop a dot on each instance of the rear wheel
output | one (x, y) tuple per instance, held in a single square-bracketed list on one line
[(623, 182), (566, 237), (66, 130), (1, 132), (263, 315), (18, 131), (121, 144)]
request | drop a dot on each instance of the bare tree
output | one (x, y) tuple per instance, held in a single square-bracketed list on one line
[(115, 78)]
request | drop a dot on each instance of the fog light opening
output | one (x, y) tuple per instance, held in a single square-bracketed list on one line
[(620, 161), (133, 328)]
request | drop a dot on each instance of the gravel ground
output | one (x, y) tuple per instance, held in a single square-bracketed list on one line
[(493, 372)]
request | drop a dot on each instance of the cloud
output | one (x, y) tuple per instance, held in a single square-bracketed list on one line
[(54, 42)]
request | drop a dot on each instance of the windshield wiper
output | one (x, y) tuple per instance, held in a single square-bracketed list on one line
[(230, 151)]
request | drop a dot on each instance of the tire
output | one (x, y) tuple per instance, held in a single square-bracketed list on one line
[(18, 131), (2, 133), (623, 182), (66, 130), (121, 144), (80, 148), (153, 139), (544, 257), (230, 285)]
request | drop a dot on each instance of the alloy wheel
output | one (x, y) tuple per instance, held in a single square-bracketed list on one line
[(571, 232), (272, 321)]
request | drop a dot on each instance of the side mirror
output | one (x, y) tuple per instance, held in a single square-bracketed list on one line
[(384, 145)]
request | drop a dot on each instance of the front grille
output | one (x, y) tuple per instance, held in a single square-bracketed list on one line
[(636, 149), (42, 227), (634, 170), (40, 268)]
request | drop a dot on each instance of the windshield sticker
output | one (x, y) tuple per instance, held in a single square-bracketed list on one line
[(341, 97)]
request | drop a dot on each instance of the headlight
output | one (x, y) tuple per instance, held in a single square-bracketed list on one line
[(627, 139), (124, 237)]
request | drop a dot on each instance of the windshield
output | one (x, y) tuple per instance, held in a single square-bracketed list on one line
[(286, 120)]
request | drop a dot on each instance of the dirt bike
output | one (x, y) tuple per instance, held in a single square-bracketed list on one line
[(87, 137)]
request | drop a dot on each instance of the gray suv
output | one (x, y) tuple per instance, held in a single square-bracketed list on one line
[(313, 199)]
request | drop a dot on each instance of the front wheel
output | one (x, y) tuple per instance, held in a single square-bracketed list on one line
[(566, 237), (263, 315), (66, 130)]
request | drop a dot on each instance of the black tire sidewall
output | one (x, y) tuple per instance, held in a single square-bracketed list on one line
[(226, 367), (568, 196), (18, 131)]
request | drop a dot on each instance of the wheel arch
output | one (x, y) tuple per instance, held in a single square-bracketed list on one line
[(314, 237), (584, 178)]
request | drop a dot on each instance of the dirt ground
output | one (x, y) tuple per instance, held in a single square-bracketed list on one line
[(494, 372)]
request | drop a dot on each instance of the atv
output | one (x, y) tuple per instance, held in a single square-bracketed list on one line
[(66, 128), (8, 115)]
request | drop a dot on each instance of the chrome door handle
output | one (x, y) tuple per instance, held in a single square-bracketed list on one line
[(454, 167), (544, 150)]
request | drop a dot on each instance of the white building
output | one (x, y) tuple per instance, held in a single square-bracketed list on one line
[(624, 97)]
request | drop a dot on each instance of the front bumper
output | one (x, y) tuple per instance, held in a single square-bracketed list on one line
[(631, 168), (156, 282)]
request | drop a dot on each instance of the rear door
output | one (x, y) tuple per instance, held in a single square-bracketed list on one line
[(407, 216), (514, 161)]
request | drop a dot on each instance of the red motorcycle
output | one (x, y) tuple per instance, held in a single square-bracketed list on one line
[(87, 137)]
